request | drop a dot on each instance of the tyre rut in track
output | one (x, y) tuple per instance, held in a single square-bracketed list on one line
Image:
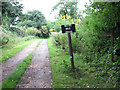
[(10, 65), (38, 74)]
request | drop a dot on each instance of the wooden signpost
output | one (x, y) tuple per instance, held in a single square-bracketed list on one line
[(68, 29), (112, 41)]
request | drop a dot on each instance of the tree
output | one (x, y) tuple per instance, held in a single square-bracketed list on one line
[(27, 23), (11, 10), (23, 17), (67, 7), (34, 16)]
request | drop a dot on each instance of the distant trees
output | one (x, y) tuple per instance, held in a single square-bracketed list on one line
[(27, 23), (37, 20), (12, 15), (33, 18)]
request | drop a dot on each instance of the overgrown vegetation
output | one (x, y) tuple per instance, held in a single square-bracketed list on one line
[(96, 41), (37, 20), (85, 75)]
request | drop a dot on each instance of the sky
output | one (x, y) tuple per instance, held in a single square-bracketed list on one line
[(45, 6)]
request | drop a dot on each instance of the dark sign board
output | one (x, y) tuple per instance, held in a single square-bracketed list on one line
[(68, 28)]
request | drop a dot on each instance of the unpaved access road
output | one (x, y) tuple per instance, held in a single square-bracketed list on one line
[(10, 65), (38, 74)]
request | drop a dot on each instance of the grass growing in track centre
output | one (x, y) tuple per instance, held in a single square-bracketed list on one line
[(12, 80)]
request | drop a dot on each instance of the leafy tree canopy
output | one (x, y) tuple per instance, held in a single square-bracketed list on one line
[(36, 17), (11, 10), (67, 7), (106, 14)]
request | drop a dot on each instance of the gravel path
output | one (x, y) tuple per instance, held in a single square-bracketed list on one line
[(10, 65), (38, 74)]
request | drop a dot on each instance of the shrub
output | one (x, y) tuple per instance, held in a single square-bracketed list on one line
[(57, 27), (31, 31), (4, 38), (45, 31), (18, 31), (61, 40)]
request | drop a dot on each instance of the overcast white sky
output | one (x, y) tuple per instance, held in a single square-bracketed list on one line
[(45, 6)]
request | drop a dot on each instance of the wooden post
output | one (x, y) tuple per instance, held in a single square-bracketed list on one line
[(70, 50), (112, 44)]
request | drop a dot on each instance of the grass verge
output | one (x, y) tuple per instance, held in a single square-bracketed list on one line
[(8, 53), (63, 77), (84, 76), (12, 80)]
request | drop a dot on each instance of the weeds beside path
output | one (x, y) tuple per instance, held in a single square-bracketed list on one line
[(84, 76)]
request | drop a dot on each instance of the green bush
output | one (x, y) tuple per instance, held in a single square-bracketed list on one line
[(45, 31), (31, 31), (4, 39), (7, 37), (18, 31), (14, 35), (61, 40), (57, 27)]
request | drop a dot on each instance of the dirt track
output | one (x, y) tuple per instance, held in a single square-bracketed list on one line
[(38, 74), (10, 65)]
